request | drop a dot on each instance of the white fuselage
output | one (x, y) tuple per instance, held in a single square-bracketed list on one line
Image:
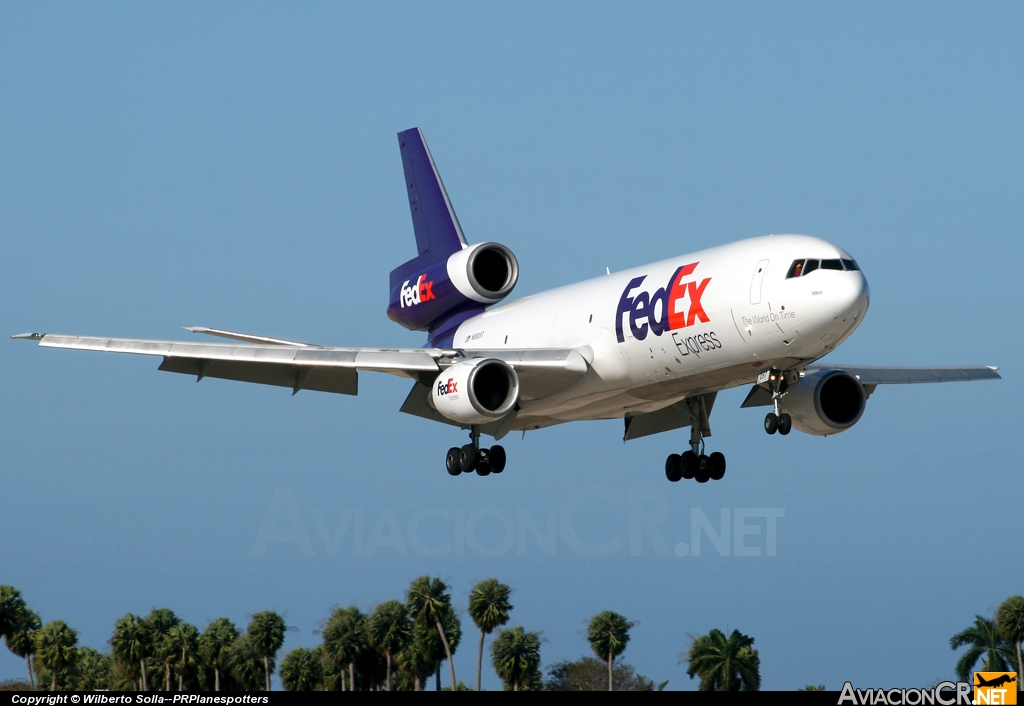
[(732, 313)]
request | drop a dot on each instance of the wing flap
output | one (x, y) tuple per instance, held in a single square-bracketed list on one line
[(343, 381)]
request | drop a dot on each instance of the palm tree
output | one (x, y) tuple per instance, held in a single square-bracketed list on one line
[(266, 635), (55, 648), (344, 638), (388, 630), (182, 644), (724, 663), (92, 670), (489, 608), (608, 634), (333, 674), (985, 643), (247, 668), (301, 670), (429, 640), (158, 624), (131, 645), (215, 646), (418, 659), (429, 603), (515, 655), (11, 603), (1010, 621), (20, 637)]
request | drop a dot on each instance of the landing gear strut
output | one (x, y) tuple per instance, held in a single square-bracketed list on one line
[(694, 463), (777, 420), (471, 457)]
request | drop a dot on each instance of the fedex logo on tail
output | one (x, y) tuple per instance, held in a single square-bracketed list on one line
[(422, 291), (674, 306)]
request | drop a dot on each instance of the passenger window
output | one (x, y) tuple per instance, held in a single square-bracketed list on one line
[(796, 269), (810, 267), (831, 265), (850, 265)]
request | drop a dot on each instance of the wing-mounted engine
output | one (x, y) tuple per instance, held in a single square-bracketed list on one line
[(476, 391), (467, 280), (825, 402)]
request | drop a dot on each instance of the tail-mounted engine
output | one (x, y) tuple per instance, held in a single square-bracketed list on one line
[(476, 391), (825, 402), (470, 278)]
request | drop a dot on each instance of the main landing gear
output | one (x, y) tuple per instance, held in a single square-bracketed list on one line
[(471, 457), (694, 463), (777, 421)]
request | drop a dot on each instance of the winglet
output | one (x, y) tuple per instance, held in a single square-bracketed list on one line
[(30, 336)]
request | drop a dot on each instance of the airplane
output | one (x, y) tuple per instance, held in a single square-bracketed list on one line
[(652, 345)]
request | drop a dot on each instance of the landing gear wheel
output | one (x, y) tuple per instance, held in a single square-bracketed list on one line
[(467, 458), (673, 470), (688, 464), (716, 465), (453, 460), (785, 423), (497, 459), (771, 423), (483, 468), (702, 474)]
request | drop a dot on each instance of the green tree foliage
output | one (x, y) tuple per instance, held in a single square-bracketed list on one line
[(215, 647), (344, 640), (724, 663), (56, 648), (20, 637), (10, 603), (333, 676), (419, 657), (302, 670), (1010, 622), (266, 635), (515, 655), (389, 629), (489, 607), (158, 625), (608, 634), (247, 667), (182, 644), (812, 687), (590, 674), (131, 646), (429, 603), (984, 643), (93, 671)]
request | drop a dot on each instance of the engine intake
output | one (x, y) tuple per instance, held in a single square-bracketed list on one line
[(486, 272), (826, 402), (476, 391)]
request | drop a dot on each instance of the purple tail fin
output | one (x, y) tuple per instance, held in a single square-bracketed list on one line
[(438, 233)]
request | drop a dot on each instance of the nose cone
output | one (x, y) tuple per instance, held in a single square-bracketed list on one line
[(851, 295)]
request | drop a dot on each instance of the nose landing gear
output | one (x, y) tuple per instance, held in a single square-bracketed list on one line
[(694, 464), (777, 420), (471, 457)]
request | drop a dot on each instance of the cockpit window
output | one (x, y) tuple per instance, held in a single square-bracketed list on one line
[(799, 268)]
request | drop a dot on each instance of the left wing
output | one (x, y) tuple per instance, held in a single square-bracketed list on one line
[(304, 366)]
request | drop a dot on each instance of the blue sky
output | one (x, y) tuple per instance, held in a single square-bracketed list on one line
[(235, 166)]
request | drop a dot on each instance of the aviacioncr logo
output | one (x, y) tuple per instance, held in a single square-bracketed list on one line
[(674, 306), (422, 291)]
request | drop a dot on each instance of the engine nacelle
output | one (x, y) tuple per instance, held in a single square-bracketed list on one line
[(471, 278), (476, 391), (825, 402)]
